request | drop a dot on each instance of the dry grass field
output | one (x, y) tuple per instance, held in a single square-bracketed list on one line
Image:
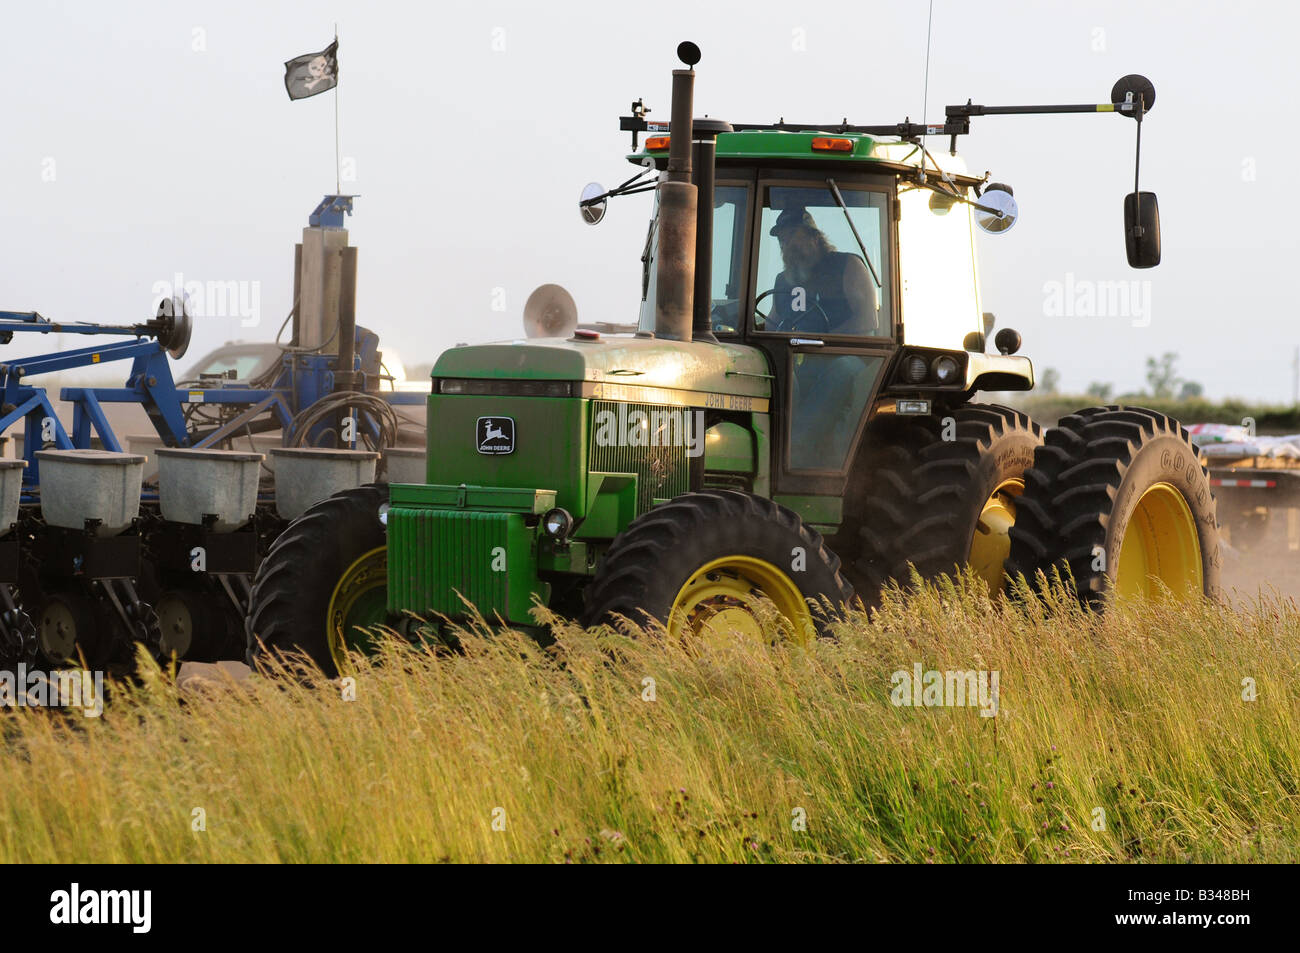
[(1129, 736)]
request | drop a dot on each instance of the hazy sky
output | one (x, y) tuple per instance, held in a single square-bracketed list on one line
[(144, 140)]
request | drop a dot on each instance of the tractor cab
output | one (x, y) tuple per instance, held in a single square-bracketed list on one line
[(806, 238), (849, 262)]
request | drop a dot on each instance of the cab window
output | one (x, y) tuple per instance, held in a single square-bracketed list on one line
[(822, 267), (729, 231)]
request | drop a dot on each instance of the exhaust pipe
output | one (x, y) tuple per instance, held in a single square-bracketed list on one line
[(675, 285)]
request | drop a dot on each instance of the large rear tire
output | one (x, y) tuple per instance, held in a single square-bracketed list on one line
[(1118, 496), (942, 495), (323, 582), (706, 565)]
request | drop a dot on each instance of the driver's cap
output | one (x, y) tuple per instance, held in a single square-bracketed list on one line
[(790, 217)]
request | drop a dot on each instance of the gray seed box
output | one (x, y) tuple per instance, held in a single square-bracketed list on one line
[(193, 484), (307, 475), (80, 485)]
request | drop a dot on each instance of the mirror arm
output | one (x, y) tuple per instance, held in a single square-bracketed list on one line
[(1138, 230), (620, 188), (625, 189), (983, 208), (596, 200), (925, 183)]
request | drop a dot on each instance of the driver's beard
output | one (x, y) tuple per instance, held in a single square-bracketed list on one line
[(798, 265)]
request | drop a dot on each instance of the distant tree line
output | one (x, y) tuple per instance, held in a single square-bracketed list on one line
[(1166, 391), (1163, 383)]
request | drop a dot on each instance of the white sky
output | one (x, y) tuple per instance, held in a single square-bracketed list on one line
[(469, 159)]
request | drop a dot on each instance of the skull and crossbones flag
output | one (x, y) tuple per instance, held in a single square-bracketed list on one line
[(312, 73)]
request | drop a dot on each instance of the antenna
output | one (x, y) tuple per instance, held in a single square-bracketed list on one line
[(338, 187), (925, 96)]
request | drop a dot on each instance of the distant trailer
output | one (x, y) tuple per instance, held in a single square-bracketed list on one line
[(1258, 502)]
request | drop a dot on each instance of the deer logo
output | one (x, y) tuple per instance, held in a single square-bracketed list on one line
[(496, 435)]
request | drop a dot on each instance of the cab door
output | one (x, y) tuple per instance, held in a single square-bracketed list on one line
[(825, 311)]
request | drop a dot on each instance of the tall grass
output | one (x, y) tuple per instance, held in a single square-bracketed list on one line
[(510, 752)]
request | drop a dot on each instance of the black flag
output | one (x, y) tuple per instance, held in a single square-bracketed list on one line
[(312, 73)]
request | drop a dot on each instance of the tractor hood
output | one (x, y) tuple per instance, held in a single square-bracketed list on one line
[(614, 363)]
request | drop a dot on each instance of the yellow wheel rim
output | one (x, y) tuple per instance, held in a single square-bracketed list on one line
[(359, 599), (727, 596), (1160, 546), (991, 543)]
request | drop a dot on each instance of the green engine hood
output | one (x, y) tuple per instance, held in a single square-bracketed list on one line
[(616, 361)]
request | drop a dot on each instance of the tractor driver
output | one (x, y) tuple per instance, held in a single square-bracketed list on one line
[(820, 290)]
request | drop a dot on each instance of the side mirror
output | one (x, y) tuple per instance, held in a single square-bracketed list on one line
[(592, 204), (1142, 229), (996, 210)]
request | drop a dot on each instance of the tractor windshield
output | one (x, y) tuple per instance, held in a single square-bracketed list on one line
[(729, 207), (821, 265)]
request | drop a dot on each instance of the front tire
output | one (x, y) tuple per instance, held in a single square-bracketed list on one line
[(323, 583), (704, 564)]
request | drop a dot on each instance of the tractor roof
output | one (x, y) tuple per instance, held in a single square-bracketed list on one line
[(780, 146)]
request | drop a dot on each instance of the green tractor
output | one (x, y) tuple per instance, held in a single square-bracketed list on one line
[(792, 424)]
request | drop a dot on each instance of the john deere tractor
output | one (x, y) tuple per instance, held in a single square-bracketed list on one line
[(792, 424)]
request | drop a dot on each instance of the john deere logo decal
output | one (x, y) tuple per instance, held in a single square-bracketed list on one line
[(496, 435)]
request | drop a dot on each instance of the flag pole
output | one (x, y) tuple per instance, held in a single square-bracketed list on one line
[(337, 162)]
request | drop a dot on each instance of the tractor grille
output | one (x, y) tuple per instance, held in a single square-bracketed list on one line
[(445, 552), (662, 471)]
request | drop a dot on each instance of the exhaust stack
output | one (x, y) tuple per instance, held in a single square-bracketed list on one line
[(678, 202)]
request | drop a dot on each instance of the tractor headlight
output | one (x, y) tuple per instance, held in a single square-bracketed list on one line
[(915, 369), (945, 368), (557, 523)]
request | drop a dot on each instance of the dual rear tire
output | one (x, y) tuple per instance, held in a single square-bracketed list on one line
[(942, 495), (1117, 497), (1113, 497)]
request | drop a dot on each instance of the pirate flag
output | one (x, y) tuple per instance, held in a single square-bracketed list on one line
[(312, 73)]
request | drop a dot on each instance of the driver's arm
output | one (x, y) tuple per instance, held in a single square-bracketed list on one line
[(860, 292), (779, 314)]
